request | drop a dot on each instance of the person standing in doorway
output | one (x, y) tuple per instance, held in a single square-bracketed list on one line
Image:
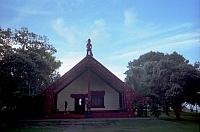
[(65, 106)]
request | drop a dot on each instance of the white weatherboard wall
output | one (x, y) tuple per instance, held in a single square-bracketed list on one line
[(79, 86)]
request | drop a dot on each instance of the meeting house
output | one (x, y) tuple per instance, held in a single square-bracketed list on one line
[(90, 90)]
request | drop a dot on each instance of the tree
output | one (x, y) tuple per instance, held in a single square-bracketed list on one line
[(169, 79), (27, 64)]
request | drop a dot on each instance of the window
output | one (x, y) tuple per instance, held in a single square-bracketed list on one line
[(97, 99)]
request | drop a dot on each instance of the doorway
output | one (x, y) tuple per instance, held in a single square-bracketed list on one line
[(79, 105)]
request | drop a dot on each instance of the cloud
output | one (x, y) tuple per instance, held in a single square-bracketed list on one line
[(155, 31), (130, 17), (68, 33), (72, 35), (69, 60), (137, 38), (98, 30), (117, 70), (163, 47), (164, 39), (28, 9)]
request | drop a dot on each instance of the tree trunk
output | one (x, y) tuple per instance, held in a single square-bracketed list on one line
[(166, 109), (177, 111)]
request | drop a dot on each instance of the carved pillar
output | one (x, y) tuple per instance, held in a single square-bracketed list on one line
[(48, 101), (129, 101), (123, 101), (89, 93)]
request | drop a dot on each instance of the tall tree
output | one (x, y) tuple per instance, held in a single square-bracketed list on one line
[(27, 64), (169, 79)]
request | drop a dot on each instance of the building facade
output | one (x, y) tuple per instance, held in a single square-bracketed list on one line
[(89, 87)]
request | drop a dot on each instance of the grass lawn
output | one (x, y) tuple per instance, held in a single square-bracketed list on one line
[(165, 124), (115, 125)]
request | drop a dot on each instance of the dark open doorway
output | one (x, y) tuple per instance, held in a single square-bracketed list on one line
[(79, 105)]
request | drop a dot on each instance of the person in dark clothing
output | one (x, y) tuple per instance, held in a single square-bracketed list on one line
[(65, 106)]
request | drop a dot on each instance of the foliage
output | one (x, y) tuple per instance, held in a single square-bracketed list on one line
[(27, 65), (169, 79)]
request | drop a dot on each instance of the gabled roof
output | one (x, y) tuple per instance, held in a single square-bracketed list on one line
[(89, 63)]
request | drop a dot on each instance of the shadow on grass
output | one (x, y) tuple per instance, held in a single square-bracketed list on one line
[(163, 124), (185, 117)]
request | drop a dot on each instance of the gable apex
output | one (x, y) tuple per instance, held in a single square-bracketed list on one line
[(88, 63)]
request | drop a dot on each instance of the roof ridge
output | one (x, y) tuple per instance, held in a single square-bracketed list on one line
[(91, 63)]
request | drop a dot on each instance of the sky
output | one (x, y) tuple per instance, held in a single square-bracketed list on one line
[(120, 30)]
